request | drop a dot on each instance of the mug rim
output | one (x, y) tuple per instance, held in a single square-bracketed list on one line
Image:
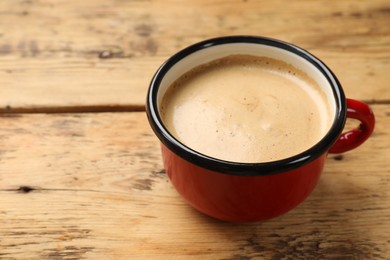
[(240, 168)]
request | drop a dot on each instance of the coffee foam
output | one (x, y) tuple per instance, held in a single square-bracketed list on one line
[(245, 108)]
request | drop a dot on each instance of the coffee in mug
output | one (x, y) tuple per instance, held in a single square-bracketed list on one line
[(245, 108)]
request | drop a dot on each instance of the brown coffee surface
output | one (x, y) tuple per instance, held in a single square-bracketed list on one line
[(245, 108)]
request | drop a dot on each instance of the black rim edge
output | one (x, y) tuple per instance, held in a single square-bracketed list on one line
[(245, 169)]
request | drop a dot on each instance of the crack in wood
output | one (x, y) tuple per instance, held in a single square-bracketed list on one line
[(29, 189)]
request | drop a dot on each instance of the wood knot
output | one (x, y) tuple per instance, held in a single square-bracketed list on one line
[(105, 55), (25, 189), (338, 157)]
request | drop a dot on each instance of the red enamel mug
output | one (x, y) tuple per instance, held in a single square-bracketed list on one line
[(244, 192)]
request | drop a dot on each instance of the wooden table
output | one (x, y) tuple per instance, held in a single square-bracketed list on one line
[(80, 169)]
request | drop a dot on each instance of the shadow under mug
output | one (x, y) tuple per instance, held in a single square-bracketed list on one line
[(243, 192)]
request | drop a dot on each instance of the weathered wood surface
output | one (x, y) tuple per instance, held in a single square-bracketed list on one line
[(99, 54), (78, 186), (92, 186)]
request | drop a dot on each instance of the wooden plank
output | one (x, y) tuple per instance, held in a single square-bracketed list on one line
[(99, 53), (92, 186)]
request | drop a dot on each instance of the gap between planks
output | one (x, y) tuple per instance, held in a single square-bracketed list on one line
[(104, 108), (72, 109)]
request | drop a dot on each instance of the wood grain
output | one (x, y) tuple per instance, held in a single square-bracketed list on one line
[(57, 55), (92, 186)]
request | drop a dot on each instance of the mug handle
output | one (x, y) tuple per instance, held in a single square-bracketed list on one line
[(355, 137)]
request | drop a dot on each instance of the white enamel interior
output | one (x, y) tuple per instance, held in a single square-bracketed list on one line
[(219, 51)]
